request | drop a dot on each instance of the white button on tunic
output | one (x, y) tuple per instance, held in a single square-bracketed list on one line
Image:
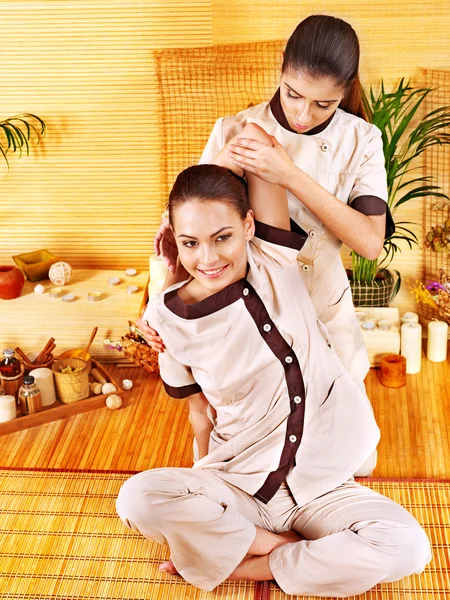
[(267, 327), (292, 438), (288, 359), (297, 399), (246, 292)]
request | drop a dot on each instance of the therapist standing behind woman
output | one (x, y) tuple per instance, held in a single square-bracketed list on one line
[(330, 161)]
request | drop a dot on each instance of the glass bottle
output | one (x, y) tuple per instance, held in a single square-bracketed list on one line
[(10, 365), (29, 396)]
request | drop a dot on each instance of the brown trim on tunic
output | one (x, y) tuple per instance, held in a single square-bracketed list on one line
[(278, 113), (182, 392), (294, 239), (296, 389), (373, 205)]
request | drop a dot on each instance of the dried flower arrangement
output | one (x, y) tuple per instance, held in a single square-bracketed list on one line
[(135, 347), (435, 294)]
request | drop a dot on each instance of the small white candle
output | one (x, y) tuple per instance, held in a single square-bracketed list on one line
[(44, 381), (411, 346), (7, 408), (368, 325), (410, 317), (361, 316), (437, 341), (158, 268)]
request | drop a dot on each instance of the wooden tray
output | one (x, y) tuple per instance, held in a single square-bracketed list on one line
[(58, 410)]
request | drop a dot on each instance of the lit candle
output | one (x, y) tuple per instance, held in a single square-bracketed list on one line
[(437, 341), (410, 317), (7, 408), (411, 346), (44, 381)]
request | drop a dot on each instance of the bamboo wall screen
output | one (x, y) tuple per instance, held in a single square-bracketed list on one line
[(436, 164), (91, 192), (196, 86)]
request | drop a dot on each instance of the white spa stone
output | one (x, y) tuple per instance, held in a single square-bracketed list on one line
[(113, 402), (39, 289), (108, 388), (127, 384)]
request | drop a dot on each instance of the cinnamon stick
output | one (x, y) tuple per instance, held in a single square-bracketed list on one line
[(22, 355), (46, 357), (44, 351)]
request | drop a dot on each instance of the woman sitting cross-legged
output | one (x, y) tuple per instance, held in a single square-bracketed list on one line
[(280, 424)]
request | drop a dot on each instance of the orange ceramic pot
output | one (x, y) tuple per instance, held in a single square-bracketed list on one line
[(11, 282)]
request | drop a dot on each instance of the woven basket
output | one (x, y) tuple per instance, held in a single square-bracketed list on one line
[(379, 292), (141, 354)]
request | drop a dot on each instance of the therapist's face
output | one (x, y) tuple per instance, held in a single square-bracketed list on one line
[(308, 102), (211, 237)]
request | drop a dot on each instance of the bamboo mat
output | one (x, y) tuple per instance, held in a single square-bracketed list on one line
[(61, 539)]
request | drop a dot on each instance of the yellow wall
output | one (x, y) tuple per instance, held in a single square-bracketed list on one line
[(91, 193)]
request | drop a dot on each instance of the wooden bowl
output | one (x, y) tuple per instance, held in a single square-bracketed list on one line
[(78, 353), (29, 366)]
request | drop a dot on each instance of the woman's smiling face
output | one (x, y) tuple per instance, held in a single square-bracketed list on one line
[(211, 238), (308, 102)]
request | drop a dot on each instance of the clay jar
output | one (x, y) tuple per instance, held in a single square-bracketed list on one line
[(11, 282)]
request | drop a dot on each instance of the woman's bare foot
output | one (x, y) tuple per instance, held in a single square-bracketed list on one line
[(168, 567)]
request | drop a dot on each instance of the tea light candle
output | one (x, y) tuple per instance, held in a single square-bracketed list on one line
[(131, 272), (94, 296), (113, 281), (132, 289), (68, 298), (361, 316), (45, 382), (55, 292), (368, 325), (411, 346), (384, 325), (437, 341), (7, 408), (409, 317)]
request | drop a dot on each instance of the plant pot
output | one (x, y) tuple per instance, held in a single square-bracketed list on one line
[(11, 282), (379, 292)]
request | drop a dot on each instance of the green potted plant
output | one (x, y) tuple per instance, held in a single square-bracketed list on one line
[(404, 140), (18, 131)]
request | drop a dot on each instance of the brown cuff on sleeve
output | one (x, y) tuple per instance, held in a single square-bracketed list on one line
[(294, 239), (182, 392), (373, 205)]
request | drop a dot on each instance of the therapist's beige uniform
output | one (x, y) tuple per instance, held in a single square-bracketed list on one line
[(345, 156), (292, 427)]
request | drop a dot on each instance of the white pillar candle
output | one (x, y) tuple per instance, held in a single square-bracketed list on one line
[(7, 408), (410, 317), (411, 346), (45, 382), (158, 268), (437, 341)]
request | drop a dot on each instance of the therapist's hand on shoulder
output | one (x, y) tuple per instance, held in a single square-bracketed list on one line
[(270, 163), (151, 336), (165, 245)]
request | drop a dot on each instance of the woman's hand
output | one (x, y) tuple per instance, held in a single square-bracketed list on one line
[(270, 163), (151, 336), (165, 246)]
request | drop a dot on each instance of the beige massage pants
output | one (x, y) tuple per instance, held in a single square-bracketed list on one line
[(354, 537)]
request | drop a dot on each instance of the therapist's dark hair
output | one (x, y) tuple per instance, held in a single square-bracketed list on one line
[(325, 46), (209, 183)]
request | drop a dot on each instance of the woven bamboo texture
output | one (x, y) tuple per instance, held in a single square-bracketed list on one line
[(62, 539), (196, 86), (436, 164)]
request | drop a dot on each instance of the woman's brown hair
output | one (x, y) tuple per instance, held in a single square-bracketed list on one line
[(325, 46), (209, 183)]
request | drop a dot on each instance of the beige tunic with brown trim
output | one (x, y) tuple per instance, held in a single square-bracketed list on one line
[(287, 410), (346, 158)]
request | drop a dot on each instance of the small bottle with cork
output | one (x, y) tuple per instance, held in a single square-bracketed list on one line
[(10, 372), (30, 396)]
